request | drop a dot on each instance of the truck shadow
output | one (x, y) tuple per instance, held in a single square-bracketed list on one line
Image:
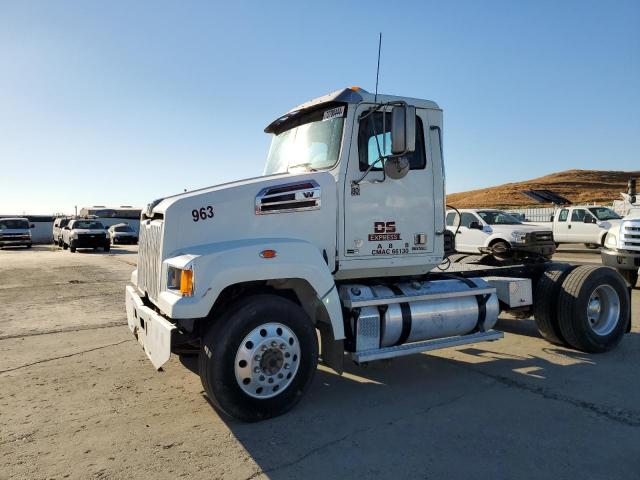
[(389, 413)]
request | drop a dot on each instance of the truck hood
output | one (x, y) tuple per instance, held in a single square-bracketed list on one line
[(301, 206)]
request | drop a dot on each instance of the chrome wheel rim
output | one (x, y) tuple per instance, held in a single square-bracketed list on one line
[(267, 360), (603, 310)]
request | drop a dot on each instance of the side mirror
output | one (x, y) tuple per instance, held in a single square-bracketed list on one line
[(589, 219), (403, 129), (475, 225), (32, 226), (552, 217)]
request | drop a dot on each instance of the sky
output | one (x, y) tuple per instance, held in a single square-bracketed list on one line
[(119, 102)]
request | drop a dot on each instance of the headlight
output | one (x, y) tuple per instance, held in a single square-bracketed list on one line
[(519, 237), (180, 280), (611, 241)]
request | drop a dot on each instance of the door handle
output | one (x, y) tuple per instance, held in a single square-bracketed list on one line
[(569, 227)]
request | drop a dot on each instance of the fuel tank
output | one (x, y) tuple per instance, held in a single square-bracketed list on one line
[(395, 314)]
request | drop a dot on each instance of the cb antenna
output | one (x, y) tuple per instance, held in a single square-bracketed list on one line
[(378, 69)]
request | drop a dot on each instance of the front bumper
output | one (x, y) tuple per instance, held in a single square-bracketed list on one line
[(90, 241), (125, 239), (621, 260), (151, 329), (15, 242)]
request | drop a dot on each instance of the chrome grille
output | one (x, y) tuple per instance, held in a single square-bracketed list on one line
[(150, 257), (630, 235)]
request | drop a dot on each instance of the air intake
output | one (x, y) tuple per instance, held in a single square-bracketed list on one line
[(290, 197)]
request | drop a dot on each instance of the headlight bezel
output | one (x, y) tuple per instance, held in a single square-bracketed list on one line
[(180, 280), (519, 236)]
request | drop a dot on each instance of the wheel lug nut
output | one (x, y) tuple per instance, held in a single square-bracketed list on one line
[(264, 348), (257, 358), (286, 366), (274, 344), (282, 346), (256, 369)]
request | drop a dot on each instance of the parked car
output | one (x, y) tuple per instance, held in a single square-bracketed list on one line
[(498, 233), (58, 224), (123, 233), (588, 225), (15, 232), (85, 233)]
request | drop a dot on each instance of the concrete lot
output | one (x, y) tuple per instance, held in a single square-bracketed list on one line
[(79, 399)]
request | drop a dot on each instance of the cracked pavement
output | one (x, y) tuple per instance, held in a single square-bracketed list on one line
[(79, 399)]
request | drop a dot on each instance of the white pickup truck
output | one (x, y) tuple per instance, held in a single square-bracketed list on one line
[(85, 233), (498, 233), (580, 224)]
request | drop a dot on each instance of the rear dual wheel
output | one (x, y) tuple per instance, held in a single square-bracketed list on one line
[(259, 358), (586, 307)]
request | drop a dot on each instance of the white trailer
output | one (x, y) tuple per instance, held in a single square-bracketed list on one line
[(341, 235)]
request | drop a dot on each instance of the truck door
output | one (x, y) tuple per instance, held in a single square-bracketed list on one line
[(469, 240), (582, 232), (384, 217), (560, 226)]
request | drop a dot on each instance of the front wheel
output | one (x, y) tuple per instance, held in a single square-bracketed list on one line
[(259, 358), (72, 249), (65, 246), (107, 248)]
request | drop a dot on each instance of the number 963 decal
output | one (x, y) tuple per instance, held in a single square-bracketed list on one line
[(202, 213)]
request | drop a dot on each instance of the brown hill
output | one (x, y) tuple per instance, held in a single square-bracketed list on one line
[(579, 186)]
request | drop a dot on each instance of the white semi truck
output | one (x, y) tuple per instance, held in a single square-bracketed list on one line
[(340, 236)]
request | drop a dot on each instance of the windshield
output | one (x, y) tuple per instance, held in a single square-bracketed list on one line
[(123, 229), (88, 225), (311, 142), (603, 213), (13, 224), (496, 217)]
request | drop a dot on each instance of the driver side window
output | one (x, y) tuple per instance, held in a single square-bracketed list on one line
[(373, 142), (467, 218), (578, 215)]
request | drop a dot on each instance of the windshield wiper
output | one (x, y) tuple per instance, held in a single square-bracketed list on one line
[(307, 165)]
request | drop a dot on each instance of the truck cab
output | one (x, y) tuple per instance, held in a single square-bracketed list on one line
[(15, 232), (583, 224), (339, 236)]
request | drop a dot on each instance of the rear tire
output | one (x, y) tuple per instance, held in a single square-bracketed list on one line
[(107, 248), (72, 249), (65, 246), (631, 276), (545, 305), (593, 308), (252, 380)]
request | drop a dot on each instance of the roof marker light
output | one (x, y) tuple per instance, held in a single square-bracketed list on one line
[(268, 254)]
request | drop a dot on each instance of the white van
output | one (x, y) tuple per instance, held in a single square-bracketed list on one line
[(15, 232)]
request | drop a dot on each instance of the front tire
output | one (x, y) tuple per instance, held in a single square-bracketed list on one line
[(593, 308), (107, 248), (65, 246), (501, 250), (259, 358), (72, 249)]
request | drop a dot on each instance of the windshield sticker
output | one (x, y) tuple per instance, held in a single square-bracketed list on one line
[(337, 112)]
